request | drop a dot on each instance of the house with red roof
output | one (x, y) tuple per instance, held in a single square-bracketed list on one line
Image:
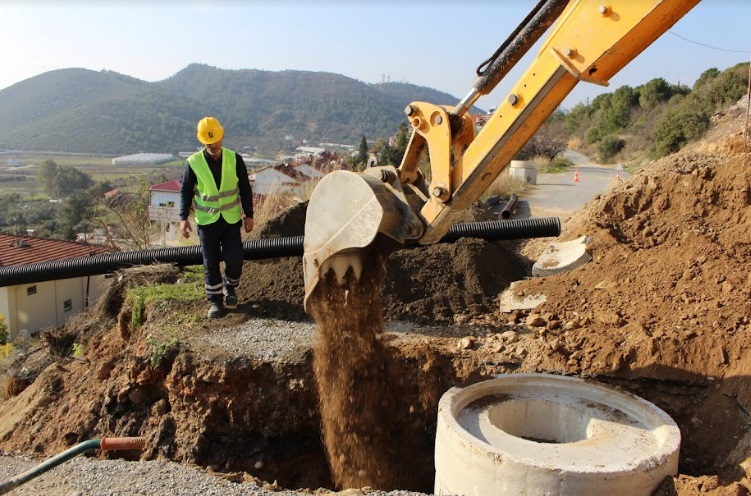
[(28, 308), (164, 201)]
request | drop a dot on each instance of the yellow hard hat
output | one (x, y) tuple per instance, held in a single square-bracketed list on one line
[(209, 131)]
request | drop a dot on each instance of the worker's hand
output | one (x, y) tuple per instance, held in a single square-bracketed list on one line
[(248, 224), (185, 228)]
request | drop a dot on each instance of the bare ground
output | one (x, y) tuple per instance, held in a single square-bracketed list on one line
[(661, 311)]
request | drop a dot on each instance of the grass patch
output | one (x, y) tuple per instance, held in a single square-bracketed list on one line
[(556, 166), (6, 350), (504, 186), (160, 350), (189, 289)]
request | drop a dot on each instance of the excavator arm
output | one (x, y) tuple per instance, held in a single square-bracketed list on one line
[(384, 207)]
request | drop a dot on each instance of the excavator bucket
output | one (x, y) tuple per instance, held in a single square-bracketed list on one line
[(346, 212)]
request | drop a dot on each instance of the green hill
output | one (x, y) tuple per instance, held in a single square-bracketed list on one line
[(79, 110)]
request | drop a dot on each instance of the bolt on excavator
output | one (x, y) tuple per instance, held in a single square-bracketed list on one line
[(352, 215)]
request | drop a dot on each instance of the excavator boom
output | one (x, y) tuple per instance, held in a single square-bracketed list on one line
[(589, 41)]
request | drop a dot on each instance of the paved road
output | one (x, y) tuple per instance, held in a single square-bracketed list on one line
[(558, 195)]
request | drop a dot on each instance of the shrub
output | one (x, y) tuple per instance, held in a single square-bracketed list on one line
[(593, 135), (678, 127), (609, 146), (160, 350), (4, 336)]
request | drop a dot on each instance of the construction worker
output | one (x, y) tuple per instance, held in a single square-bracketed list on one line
[(216, 180)]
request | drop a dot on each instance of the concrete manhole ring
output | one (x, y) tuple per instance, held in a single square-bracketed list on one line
[(540, 434)]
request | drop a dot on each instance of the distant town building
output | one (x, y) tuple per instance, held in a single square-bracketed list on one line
[(143, 159), (310, 150), (270, 180), (336, 146), (256, 163)]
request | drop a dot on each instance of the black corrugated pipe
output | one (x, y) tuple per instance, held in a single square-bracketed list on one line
[(497, 230), (508, 210), (109, 262), (257, 249)]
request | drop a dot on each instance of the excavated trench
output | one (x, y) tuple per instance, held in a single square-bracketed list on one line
[(265, 416)]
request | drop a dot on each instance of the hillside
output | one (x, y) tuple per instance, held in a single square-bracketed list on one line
[(79, 110)]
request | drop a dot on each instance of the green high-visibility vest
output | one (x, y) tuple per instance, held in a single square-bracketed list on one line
[(210, 201)]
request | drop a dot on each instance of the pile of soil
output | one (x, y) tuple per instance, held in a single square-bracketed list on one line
[(425, 284), (661, 311)]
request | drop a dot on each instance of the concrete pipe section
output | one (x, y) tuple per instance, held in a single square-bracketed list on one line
[(539, 434)]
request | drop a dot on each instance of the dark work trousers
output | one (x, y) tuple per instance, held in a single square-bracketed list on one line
[(221, 241)]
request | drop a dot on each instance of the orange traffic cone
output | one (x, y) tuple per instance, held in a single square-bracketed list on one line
[(576, 176)]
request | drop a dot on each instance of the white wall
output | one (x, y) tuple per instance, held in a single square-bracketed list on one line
[(160, 208), (270, 180), (29, 308)]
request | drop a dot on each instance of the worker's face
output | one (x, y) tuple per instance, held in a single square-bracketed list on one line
[(215, 149)]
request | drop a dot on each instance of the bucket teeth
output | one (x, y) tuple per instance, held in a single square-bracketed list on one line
[(341, 264)]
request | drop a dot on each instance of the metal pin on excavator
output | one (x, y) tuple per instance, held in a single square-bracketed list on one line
[(384, 207)]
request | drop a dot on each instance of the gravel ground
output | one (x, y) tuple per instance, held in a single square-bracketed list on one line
[(84, 476)]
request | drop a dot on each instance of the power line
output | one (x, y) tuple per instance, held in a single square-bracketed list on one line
[(708, 46)]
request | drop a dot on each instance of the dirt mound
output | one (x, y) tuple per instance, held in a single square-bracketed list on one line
[(423, 283)]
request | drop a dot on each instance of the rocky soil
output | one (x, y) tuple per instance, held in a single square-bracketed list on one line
[(662, 311)]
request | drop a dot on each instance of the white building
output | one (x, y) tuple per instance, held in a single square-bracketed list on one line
[(143, 159), (164, 201), (270, 180)]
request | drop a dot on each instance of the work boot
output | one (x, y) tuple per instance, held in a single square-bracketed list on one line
[(230, 298), (216, 310)]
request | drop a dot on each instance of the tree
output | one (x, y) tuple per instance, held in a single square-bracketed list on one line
[(362, 154), (125, 219), (618, 115), (392, 152), (653, 93), (706, 77), (77, 209), (46, 175), (61, 181), (678, 127), (548, 141), (69, 180)]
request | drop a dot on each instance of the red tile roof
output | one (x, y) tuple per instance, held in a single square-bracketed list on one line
[(21, 250), (173, 185)]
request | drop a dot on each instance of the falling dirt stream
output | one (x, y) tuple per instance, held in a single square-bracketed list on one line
[(365, 424)]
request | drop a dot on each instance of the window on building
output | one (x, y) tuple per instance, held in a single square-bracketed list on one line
[(31, 290), (67, 305)]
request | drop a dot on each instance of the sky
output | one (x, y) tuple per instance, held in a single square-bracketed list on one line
[(433, 43)]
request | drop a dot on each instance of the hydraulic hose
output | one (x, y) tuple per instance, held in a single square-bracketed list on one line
[(258, 249), (112, 443)]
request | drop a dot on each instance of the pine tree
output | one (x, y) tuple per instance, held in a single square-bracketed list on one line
[(362, 155)]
